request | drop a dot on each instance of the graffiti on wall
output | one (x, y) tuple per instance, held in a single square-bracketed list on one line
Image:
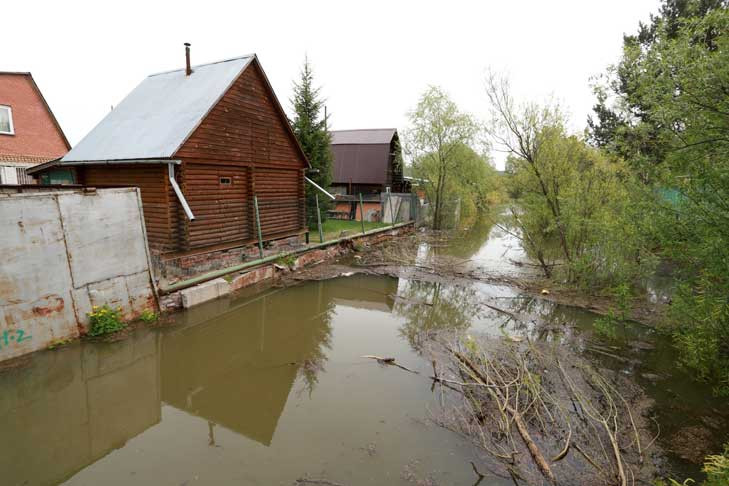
[(13, 336)]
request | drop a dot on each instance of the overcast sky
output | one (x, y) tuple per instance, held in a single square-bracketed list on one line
[(372, 59)]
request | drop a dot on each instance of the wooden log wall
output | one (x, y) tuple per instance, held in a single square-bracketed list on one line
[(155, 192), (221, 199), (244, 137), (280, 201)]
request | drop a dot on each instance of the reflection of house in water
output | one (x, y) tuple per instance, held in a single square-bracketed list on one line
[(231, 363), (71, 407), (362, 292), (237, 369)]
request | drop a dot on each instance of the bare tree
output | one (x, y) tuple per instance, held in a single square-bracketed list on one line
[(519, 131)]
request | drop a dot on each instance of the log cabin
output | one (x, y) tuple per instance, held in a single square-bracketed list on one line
[(199, 143)]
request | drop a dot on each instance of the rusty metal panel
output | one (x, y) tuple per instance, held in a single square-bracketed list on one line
[(35, 285), (89, 239), (63, 253)]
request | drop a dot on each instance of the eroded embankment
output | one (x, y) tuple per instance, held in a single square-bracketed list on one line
[(403, 257)]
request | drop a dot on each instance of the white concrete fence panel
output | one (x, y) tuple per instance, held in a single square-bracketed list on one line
[(62, 253)]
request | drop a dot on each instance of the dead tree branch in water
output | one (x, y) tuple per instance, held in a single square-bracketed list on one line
[(537, 420), (322, 482), (389, 361)]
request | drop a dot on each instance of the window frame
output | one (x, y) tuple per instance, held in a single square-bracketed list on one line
[(10, 118), (229, 182)]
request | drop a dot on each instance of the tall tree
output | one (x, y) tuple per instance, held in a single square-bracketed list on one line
[(310, 127), (625, 121), (670, 100), (569, 197), (435, 139)]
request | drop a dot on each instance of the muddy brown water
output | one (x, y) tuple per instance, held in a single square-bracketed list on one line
[(270, 386)]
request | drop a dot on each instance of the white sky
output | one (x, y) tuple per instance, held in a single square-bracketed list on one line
[(373, 59)]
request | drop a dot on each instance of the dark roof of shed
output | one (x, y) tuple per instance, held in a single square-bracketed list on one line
[(364, 136)]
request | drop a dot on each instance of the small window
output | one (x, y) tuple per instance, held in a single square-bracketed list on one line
[(6, 120), (226, 181)]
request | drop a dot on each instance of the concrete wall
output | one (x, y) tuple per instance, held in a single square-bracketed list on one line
[(64, 252)]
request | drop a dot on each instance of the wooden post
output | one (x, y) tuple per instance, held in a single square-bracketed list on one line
[(361, 211), (258, 227), (318, 220)]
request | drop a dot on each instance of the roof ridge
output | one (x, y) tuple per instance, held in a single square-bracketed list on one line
[(361, 129), (246, 56)]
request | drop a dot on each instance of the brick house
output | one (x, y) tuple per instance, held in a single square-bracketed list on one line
[(29, 133)]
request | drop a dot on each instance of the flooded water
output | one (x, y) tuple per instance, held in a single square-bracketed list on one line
[(270, 387)]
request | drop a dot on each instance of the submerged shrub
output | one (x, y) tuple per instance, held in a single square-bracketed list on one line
[(105, 320)]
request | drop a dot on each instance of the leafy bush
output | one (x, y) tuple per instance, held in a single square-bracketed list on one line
[(105, 320), (717, 468), (148, 316)]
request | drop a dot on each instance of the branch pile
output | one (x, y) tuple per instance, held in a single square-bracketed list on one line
[(541, 417)]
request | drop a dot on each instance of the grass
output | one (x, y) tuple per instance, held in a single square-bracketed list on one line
[(333, 228)]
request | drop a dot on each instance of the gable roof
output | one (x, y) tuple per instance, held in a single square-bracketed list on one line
[(57, 125), (159, 114), (162, 112), (366, 136)]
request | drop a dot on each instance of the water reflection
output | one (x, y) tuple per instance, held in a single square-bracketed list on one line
[(225, 378), (69, 408), (434, 306), (238, 368), (266, 388)]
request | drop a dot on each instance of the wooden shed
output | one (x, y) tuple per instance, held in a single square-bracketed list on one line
[(200, 142), (366, 161)]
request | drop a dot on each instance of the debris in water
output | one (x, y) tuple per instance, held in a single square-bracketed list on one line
[(388, 361), (542, 415), (324, 482)]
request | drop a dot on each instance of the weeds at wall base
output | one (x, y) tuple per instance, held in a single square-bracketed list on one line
[(105, 320)]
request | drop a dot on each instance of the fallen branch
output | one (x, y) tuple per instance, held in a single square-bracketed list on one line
[(516, 416), (303, 481), (388, 361)]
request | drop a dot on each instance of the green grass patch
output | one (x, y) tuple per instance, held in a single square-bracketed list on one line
[(333, 228)]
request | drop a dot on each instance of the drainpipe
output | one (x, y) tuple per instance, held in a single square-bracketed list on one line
[(178, 192), (320, 188)]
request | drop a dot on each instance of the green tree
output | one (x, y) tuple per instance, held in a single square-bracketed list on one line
[(684, 82), (435, 141), (625, 120), (311, 130), (666, 111), (574, 206)]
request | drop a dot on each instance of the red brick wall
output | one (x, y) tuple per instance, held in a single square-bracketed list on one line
[(35, 132)]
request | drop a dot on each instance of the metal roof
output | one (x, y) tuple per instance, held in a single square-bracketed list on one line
[(366, 136), (158, 116)]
